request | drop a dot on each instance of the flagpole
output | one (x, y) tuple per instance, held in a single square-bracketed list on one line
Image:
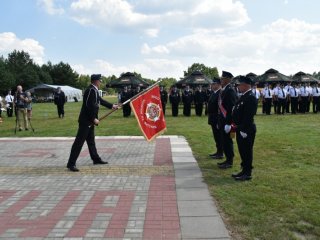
[(129, 100)]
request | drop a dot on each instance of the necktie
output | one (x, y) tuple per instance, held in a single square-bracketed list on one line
[(269, 92), (317, 90), (295, 93), (282, 93)]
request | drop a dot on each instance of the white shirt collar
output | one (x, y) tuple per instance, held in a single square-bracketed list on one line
[(95, 86), (225, 86), (217, 90)]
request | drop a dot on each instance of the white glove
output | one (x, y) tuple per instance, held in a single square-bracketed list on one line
[(227, 128), (243, 134)]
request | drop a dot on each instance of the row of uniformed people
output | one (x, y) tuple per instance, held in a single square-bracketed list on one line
[(294, 97)]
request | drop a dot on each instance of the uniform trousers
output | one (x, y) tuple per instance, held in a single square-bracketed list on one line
[(281, 105), (217, 138), (227, 144), (315, 104), (10, 110), (22, 114), (175, 109), (60, 108), (85, 133), (187, 109), (268, 105), (199, 109), (245, 147), (294, 105)]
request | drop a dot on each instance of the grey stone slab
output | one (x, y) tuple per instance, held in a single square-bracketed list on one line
[(205, 208), (183, 159), (188, 182), (182, 154), (186, 166), (196, 173), (203, 227), (193, 194)]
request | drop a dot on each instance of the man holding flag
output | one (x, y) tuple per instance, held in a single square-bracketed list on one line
[(88, 119), (227, 100)]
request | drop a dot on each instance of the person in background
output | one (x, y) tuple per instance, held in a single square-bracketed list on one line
[(199, 100), (29, 105), (20, 107), (315, 98), (60, 100), (88, 119), (293, 97), (276, 90), (267, 94), (124, 96), (213, 117), (164, 99), (256, 93), (282, 100), (187, 99), (9, 103), (174, 98)]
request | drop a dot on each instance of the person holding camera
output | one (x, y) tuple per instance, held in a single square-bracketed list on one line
[(20, 100)]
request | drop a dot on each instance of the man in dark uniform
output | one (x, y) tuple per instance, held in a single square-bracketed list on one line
[(164, 99), (208, 94), (187, 98), (124, 96), (88, 119), (227, 99), (199, 99), (174, 98), (59, 100), (242, 115), (213, 111)]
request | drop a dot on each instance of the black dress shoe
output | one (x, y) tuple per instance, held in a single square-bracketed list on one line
[(225, 166), (73, 169), (237, 174), (212, 155), (217, 157), (221, 163), (243, 177), (99, 162)]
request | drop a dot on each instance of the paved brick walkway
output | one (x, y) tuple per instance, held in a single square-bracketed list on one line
[(147, 191)]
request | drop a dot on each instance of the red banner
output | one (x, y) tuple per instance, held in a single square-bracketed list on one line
[(148, 111)]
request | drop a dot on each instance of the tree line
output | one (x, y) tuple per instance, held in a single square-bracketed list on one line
[(20, 69)]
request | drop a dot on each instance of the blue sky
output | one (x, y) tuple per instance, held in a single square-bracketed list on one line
[(159, 38)]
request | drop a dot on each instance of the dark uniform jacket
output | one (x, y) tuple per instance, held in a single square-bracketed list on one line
[(228, 99), (164, 96), (187, 97), (90, 105), (174, 97), (199, 97), (244, 112), (59, 98), (213, 108)]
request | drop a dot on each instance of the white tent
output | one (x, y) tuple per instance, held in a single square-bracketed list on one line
[(45, 92)]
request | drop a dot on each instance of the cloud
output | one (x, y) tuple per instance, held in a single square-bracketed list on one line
[(9, 42), (152, 68), (49, 7), (287, 45), (150, 17)]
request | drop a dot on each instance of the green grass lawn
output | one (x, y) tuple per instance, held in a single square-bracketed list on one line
[(281, 202)]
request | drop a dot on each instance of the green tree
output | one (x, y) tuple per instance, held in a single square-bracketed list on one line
[(83, 81), (63, 74), (7, 80), (207, 71), (167, 82), (23, 69)]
